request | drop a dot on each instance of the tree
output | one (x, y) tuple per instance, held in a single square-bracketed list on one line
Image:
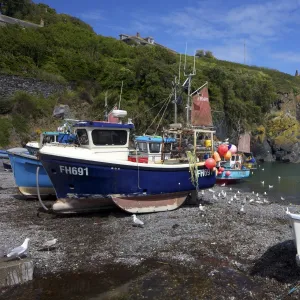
[(200, 53), (209, 54)]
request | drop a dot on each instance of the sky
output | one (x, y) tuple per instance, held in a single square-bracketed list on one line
[(261, 33)]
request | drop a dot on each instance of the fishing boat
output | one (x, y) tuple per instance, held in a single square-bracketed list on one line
[(24, 166), (295, 224), (99, 173), (233, 170)]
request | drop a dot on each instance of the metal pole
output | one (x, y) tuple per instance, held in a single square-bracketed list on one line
[(175, 101), (106, 114), (188, 102)]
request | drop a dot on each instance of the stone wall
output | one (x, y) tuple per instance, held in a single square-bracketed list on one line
[(10, 84)]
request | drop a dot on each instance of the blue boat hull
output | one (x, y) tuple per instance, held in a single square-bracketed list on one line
[(3, 154), (99, 180), (24, 169), (235, 175)]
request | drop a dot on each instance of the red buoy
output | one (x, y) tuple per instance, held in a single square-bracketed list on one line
[(210, 163)]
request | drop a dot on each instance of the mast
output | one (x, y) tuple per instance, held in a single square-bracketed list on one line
[(189, 78), (120, 96), (176, 84), (106, 113)]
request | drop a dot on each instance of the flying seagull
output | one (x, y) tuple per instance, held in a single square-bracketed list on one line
[(223, 184), (137, 222), (19, 251), (49, 244)]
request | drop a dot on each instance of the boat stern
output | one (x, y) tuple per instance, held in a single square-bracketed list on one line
[(295, 222)]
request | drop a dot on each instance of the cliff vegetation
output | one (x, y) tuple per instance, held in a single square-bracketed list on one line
[(67, 50)]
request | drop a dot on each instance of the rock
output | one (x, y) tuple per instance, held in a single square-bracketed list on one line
[(263, 151)]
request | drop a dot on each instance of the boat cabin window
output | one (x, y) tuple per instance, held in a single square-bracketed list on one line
[(49, 139), (109, 137), (154, 147), (142, 147), (82, 136)]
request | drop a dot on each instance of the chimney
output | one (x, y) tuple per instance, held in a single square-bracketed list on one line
[(138, 34)]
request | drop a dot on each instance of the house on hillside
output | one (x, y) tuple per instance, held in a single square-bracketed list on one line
[(5, 20), (137, 39)]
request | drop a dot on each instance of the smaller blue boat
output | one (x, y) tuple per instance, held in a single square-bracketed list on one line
[(232, 171), (24, 167), (3, 154)]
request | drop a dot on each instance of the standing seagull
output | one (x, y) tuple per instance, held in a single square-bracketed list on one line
[(49, 244), (17, 252), (137, 222)]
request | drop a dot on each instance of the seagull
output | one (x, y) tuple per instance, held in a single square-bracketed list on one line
[(252, 172), (242, 210), (211, 190), (262, 169), (235, 197), (230, 189), (287, 211), (18, 251), (251, 200), (231, 199), (137, 221), (279, 177), (215, 197), (270, 186), (259, 202), (266, 201), (49, 244), (219, 195), (265, 193), (262, 182), (226, 140), (202, 192), (201, 207), (253, 192), (257, 194), (282, 198), (223, 184), (238, 192)]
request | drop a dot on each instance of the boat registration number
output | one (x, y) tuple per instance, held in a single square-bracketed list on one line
[(204, 172), (74, 170)]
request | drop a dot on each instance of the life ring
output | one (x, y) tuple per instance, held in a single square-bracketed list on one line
[(238, 165)]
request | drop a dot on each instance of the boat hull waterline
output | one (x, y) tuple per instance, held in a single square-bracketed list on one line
[(24, 169), (134, 187)]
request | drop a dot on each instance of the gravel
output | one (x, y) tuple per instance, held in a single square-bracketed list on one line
[(218, 253)]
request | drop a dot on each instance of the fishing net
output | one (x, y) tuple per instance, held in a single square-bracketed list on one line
[(192, 158)]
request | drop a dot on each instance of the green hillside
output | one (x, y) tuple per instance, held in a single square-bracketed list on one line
[(67, 50)]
